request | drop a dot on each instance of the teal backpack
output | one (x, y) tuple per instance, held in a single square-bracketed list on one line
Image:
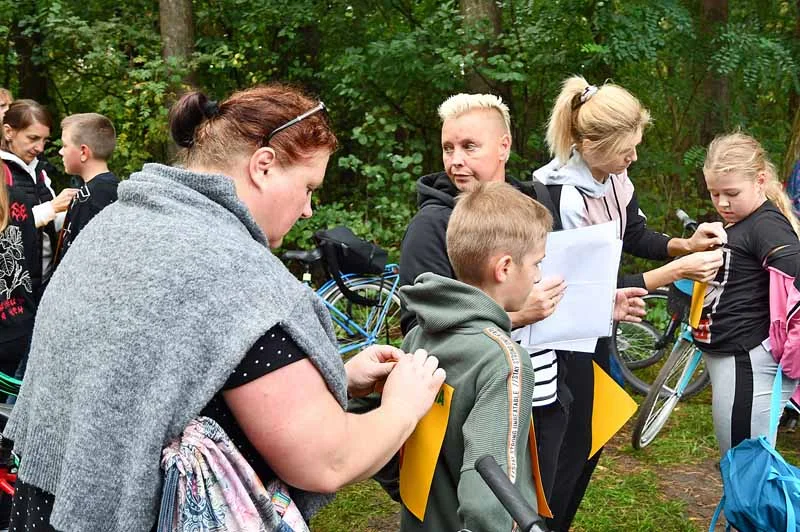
[(761, 491)]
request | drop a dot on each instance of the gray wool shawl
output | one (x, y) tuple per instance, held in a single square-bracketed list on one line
[(155, 304)]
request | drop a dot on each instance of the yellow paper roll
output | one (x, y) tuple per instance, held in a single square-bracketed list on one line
[(696, 308)]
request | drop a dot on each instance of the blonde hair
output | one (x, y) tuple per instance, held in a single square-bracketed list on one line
[(604, 116), (6, 96), (94, 130), (742, 154), (459, 104), (493, 218)]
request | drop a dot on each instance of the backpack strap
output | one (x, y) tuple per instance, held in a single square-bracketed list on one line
[(8, 176), (775, 407), (169, 497), (544, 195), (716, 515)]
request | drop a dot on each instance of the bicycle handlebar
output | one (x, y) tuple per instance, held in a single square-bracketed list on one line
[(508, 495), (688, 222)]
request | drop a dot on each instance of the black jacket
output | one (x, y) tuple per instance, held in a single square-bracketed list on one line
[(91, 198), (22, 187), (20, 263), (424, 247)]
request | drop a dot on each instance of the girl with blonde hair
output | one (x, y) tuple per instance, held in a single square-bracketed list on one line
[(761, 259), (593, 134)]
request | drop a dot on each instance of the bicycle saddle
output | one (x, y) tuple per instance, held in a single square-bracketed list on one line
[(306, 257)]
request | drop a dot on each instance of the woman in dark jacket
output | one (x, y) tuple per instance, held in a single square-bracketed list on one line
[(30, 226)]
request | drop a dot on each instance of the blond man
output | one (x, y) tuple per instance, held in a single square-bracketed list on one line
[(476, 144)]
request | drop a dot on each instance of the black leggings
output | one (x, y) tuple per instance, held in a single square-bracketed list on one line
[(574, 470)]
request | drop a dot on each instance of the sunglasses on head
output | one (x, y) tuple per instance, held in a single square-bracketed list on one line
[(293, 121)]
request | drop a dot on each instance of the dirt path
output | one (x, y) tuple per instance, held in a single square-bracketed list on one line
[(698, 486)]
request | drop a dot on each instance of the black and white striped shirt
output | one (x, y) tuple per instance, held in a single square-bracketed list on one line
[(545, 371)]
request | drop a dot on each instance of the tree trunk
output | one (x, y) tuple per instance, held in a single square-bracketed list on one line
[(177, 32), (32, 78), (481, 15), (716, 98), (793, 150), (177, 41)]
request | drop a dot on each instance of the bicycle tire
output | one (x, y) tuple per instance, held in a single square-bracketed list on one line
[(634, 344), (663, 397), (364, 316), (628, 339)]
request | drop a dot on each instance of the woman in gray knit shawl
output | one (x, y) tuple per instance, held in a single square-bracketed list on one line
[(170, 305)]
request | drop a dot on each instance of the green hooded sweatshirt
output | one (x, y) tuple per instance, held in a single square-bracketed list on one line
[(490, 410)]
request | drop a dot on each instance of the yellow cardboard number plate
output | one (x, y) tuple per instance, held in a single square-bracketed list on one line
[(612, 408), (421, 452)]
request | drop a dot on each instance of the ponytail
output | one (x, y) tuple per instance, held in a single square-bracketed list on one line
[(777, 195), (560, 132)]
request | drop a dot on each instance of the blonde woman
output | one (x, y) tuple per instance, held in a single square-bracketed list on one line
[(734, 330), (593, 134)]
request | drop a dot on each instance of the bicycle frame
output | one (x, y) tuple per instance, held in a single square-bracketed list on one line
[(376, 316), (691, 367)]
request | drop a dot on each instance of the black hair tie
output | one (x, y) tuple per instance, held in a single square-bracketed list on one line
[(210, 109)]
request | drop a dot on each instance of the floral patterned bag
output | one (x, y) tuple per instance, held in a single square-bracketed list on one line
[(209, 486)]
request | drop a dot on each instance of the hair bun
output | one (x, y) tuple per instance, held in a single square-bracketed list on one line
[(187, 114), (211, 109)]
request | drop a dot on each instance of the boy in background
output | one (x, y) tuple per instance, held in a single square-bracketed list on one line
[(495, 242), (88, 140)]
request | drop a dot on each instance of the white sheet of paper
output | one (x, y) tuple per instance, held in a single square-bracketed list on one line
[(588, 260)]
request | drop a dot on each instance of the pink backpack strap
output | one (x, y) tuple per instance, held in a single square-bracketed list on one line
[(8, 176), (784, 317)]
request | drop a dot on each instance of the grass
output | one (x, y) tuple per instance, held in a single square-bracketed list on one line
[(628, 502), (362, 507), (670, 486)]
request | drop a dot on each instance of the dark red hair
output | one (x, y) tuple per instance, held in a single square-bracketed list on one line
[(212, 132)]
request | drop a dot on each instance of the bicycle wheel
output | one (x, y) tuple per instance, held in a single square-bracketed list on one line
[(358, 326), (641, 380), (667, 390), (635, 343)]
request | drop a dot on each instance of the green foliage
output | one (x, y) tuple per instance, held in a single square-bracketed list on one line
[(383, 67)]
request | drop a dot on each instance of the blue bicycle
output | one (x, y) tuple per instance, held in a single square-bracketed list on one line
[(365, 309), (682, 375)]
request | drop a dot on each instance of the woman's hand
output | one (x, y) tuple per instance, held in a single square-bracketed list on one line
[(701, 266), (413, 384), (708, 236), (61, 202), (541, 302), (367, 371), (629, 305)]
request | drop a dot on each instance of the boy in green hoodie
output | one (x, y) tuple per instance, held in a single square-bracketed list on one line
[(495, 242)]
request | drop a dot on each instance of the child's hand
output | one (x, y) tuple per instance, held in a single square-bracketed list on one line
[(708, 236), (541, 301)]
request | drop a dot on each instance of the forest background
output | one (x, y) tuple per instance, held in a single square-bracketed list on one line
[(383, 66)]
